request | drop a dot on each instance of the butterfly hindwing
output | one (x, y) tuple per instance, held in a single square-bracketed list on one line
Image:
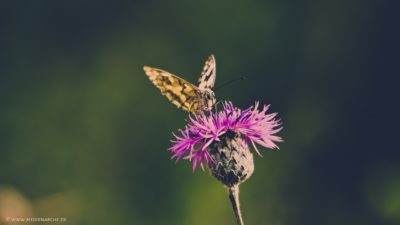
[(179, 91), (208, 75)]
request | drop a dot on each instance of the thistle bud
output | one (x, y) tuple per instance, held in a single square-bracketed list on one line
[(231, 160)]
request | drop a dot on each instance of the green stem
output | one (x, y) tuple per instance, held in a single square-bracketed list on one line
[(234, 197)]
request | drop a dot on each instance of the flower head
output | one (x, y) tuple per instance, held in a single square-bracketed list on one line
[(252, 125)]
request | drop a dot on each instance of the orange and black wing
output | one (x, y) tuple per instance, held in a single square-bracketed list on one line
[(178, 91)]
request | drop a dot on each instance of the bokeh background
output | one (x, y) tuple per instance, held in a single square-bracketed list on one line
[(83, 133)]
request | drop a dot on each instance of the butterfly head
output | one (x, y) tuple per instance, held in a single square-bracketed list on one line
[(209, 99)]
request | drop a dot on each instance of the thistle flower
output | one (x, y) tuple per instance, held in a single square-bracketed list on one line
[(221, 139), (251, 125)]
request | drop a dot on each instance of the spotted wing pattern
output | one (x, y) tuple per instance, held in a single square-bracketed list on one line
[(208, 75), (179, 91)]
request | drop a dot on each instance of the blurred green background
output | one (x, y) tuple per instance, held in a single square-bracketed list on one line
[(83, 133)]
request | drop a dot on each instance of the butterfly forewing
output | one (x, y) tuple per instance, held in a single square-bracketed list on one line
[(179, 91), (208, 75)]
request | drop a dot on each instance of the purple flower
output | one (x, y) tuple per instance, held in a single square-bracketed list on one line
[(253, 125)]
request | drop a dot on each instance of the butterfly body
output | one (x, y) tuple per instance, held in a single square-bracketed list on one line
[(182, 93)]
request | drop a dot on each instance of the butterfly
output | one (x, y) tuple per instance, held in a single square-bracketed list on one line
[(183, 94)]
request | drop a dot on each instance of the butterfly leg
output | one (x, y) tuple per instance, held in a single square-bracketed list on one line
[(216, 105)]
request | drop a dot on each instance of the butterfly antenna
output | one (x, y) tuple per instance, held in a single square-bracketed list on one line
[(229, 82)]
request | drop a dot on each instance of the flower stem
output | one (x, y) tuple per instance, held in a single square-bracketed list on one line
[(234, 197)]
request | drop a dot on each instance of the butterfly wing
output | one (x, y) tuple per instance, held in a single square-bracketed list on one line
[(208, 75), (179, 91)]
